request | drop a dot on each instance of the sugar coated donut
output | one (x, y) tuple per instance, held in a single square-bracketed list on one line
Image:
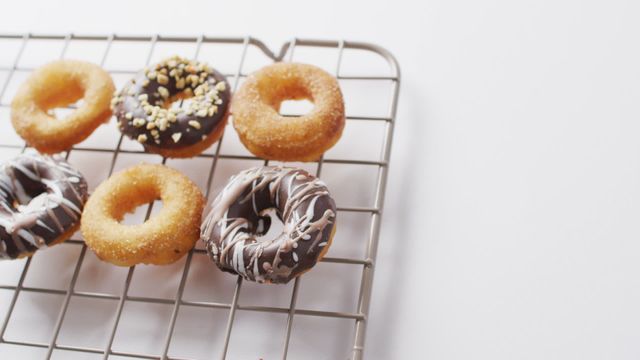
[(41, 199), (239, 215), (145, 112), (268, 134), (162, 239), (58, 84)]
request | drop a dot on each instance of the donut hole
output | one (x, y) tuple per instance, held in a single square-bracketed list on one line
[(60, 112), (295, 107), (33, 197), (62, 92), (288, 95), (130, 207), (138, 214), (178, 101), (31, 202), (270, 226)]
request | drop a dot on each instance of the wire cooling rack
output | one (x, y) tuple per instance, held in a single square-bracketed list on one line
[(63, 303)]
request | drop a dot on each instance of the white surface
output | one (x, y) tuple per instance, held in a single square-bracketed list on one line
[(511, 222)]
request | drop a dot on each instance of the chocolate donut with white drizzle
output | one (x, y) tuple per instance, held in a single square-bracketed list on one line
[(41, 199), (239, 216)]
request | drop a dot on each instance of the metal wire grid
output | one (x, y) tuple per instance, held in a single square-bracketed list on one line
[(367, 265)]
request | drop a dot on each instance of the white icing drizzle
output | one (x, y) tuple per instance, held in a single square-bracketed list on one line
[(229, 239)]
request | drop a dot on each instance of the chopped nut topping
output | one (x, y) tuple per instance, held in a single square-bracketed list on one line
[(142, 138), (192, 79), (163, 79), (138, 122), (163, 92), (163, 123)]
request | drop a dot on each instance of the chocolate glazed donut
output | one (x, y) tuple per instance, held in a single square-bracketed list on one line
[(144, 112), (41, 199), (239, 215)]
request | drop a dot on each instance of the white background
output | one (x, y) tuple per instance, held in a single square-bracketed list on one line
[(511, 227)]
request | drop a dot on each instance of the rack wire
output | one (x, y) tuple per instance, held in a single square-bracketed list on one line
[(357, 319)]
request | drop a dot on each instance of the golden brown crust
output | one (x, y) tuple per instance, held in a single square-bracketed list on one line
[(269, 135), (57, 84), (62, 238), (164, 238)]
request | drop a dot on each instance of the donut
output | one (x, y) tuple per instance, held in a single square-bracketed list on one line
[(269, 135), (145, 112), (59, 84), (163, 238), (239, 215), (41, 199)]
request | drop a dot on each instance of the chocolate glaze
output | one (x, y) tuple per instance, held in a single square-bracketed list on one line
[(128, 101), (239, 215), (41, 198)]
